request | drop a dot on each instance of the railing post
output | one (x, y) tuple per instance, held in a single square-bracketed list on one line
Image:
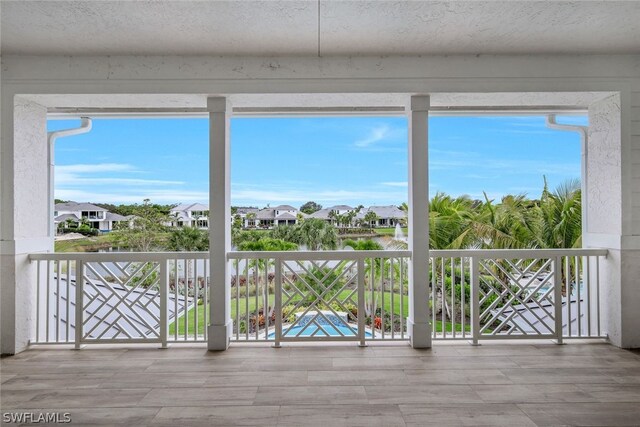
[(557, 298), (475, 299), (164, 300), (278, 301), (418, 325), (361, 298), (79, 303)]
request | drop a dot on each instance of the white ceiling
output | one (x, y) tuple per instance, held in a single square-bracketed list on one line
[(321, 27)]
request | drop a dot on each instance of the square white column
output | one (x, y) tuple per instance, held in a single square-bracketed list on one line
[(220, 323), (418, 325)]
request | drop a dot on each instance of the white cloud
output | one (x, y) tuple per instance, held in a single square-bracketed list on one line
[(74, 180), (82, 175), (376, 134), (96, 167), (295, 195), (109, 183), (395, 184), (134, 196), (474, 162)]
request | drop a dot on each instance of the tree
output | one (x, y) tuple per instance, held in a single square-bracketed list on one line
[(251, 217), (370, 218), (310, 207), (333, 216), (362, 245), (560, 216), (349, 217), (287, 233), (508, 225), (145, 231), (267, 244), (317, 234), (188, 239), (450, 222)]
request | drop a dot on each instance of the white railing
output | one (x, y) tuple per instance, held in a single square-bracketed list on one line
[(321, 296), (122, 297), (506, 294)]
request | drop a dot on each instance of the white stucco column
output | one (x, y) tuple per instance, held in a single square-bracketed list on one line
[(220, 324), (613, 197), (24, 223), (418, 322)]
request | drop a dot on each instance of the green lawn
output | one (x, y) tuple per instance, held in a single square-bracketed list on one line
[(389, 231), (252, 307), (87, 244)]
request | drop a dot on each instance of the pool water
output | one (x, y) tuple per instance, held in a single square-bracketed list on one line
[(326, 331)]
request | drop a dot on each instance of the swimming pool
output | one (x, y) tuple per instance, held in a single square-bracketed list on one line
[(324, 332)]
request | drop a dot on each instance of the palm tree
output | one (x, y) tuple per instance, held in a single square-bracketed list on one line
[(317, 234), (450, 222), (188, 239), (251, 216), (333, 216), (370, 218), (560, 216), (508, 225)]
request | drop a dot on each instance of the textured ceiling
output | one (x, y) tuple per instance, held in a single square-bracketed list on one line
[(318, 27), (322, 100)]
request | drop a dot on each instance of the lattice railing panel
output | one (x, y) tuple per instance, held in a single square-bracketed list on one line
[(121, 301), (324, 297), (516, 297)]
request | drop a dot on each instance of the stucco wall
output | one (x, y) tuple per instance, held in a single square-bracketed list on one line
[(604, 166), (24, 220)]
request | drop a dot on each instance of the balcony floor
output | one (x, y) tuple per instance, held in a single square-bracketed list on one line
[(453, 384)]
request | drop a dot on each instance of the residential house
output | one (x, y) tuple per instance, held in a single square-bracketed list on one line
[(280, 215), (326, 213), (189, 215), (248, 216), (96, 217), (387, 216)]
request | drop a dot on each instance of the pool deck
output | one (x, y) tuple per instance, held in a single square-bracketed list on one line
[(453, 384)]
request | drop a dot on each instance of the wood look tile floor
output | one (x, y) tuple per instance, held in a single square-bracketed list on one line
[(453, 384)]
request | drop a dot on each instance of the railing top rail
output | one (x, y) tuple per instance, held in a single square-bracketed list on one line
[(317, 255), (117, 256), (516, 253)]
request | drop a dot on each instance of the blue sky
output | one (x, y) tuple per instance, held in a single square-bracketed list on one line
[(351, 160)]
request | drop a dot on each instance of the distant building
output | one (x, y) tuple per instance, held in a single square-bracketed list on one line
[(189, 215), (388, 216), (280, 215), (96, 217), (325, 214)]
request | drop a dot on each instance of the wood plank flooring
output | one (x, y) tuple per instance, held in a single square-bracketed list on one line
[(453, 384)]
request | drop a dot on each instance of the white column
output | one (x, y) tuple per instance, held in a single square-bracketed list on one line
[(418, 322), (24, 216), (220, 324), (612, 206)]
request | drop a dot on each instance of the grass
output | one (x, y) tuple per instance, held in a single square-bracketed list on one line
[(389, 231), (86, 244), (252, 308)]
